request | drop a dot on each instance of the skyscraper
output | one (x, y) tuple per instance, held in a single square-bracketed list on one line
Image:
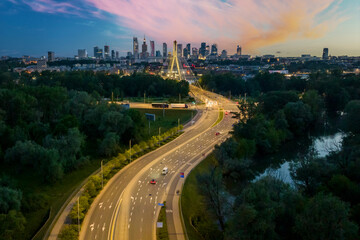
[(112, 54), (51, 56), (98, 53), (144, 53), (325, 55), (106, 52), (185, 52), (135, 48), (158, 53), (202, 49), (188, 46), (179, 50), (152, 48), (207, 50), (214, 49), (82, 53), (195, 51), (117, 54), (165, 50), (224, 54), (238, 50)]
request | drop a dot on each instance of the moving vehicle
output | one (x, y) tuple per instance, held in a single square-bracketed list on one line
[(164, 171), (217, 133), (153, 181), (160, 105), (179, 105)]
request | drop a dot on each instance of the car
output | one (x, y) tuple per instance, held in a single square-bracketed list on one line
[(153, 181), (217, 133), (226, 113)]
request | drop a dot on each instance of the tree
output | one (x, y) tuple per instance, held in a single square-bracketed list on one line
[(352, 116), (298, 116), (12, 225), (10, 199), (314, 101), (325, 217), (110, 145)]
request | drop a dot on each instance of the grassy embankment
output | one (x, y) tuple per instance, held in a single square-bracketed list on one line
[(54, 196), (194, 209), (162, 233)]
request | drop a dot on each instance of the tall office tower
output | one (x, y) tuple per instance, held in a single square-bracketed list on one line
[(224, 54), (112, 54), (98, 53), (117, 54), (202, 49), (129, 54), (325, 55), (51, 56), (152, 48), (135, 48), (195, 51), (158, 53), (144, 52), (179, 50), (185, 52), (214, 49), (82, 53), (188, 46), (207, 50), (238, 50), (106, 52), (165, 50)]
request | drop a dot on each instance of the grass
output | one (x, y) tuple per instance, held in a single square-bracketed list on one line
[(220, 118), (54, 196), (169, 121), (195, 213), (162, 233)]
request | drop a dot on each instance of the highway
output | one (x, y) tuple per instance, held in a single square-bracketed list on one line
[(128, 207)]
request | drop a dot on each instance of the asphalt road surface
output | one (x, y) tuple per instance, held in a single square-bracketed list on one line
[(128, 206)]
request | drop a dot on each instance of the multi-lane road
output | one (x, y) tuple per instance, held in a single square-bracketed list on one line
[(128, 206)]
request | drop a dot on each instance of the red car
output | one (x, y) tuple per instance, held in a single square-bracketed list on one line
[(217, 133), (153, 181)]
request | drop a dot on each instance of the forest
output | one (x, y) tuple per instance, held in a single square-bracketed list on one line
[(324, 201), (54, 123)]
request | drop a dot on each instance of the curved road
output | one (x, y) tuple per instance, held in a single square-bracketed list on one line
[(127, 207)]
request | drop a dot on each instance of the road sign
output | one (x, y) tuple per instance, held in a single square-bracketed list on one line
[(159, 224), (150, 117), (182, 175), (161, 204)]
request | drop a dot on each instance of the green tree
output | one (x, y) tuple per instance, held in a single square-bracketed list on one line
[(352, 116), (12, 225), (325, 217), (298, 116)]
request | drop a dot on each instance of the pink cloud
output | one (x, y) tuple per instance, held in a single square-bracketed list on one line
[(250, 23)]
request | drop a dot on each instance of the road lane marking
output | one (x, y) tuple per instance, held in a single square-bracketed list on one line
[(92, 226), (103, 228), (100, 204)]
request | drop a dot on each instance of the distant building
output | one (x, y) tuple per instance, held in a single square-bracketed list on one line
[(214, 50), (179, 50), (135, 48), (188, 47), (195, 51), (152, 48), (224, 54), (82, 53), (207, 50), (238, 50), (202, 49), (144, 53), (158, 53), (185, 53), (112, 54), (129, 54), (41, 64), (98, 53), (325, 55), (106, 52), (51, 56), (165, 50), (117, 54)]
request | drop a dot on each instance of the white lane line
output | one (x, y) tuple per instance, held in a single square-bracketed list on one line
[(103, 228)]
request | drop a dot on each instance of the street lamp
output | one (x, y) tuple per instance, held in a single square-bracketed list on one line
[(102, 175), (130, 149)]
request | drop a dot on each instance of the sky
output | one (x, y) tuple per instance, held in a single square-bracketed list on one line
[(279, 27)]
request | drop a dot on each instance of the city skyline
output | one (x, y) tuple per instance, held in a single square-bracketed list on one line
[(64, 28)]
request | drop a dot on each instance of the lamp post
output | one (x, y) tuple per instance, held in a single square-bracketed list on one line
[(102, 175), (130, 149), (78, 208)]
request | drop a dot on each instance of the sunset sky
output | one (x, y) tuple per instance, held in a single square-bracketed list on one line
[(283, 28)]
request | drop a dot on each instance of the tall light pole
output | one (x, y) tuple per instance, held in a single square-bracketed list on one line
[(178, 124), (130, 149), (78, 208), (102, 175), (159, 135)]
